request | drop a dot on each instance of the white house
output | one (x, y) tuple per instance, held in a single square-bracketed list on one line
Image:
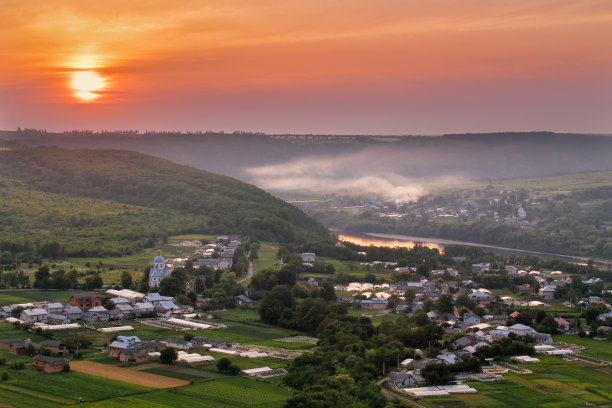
[(308, 256), (522, 330), (33, 315)]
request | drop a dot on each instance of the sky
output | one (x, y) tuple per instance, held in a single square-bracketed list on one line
[(311, 66)]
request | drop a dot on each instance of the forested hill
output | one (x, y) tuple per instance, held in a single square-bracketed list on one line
[(212, 203)]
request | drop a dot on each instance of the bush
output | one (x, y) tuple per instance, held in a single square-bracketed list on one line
[(4, 376), (67, 367), (17, 365)]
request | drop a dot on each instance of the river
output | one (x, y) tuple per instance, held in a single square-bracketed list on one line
[(406, 241)]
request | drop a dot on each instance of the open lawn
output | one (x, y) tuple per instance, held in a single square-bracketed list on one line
[(267, 257)]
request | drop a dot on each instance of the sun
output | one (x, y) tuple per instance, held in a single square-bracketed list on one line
[(86, 84)]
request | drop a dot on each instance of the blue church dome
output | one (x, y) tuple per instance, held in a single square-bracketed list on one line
[(158, 258)]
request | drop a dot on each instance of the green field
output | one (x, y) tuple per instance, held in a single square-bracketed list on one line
[(601, 349), (554, 384), (226, 392), (267, 257), (32, 388), (8, 297)]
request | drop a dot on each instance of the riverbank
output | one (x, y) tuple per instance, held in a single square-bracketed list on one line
[(394, 240)]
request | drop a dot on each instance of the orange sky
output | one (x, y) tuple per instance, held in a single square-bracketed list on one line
[(401, 67)]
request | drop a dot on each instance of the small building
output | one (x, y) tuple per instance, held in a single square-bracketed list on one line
[(522, 330), (547, 292), (21, 347), (133, 354), (54, 308), (374, 303), (73, 312), (400, 379), (85, 300), (58, 319), (33, 315), (308, 256), (562, 323), (50, 364), (526, 288), (242, 300), (57, 347), (178, 343)]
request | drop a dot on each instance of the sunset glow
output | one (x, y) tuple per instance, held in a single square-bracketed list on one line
[(390, 67), (86, 84)]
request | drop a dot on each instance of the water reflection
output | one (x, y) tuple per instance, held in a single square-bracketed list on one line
[(389, 243)]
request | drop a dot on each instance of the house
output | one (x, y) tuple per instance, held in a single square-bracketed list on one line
[(50, 364), (562, 323), (58, 347), (120, 301), (101, 312), (115, 314), (73, 312), (480, 297), (512, 270), (142, 307), (54, 308), (374, 303), (158, 271), (604, 316), (89, 317), (133, 354), (126, 309), (178, 343), (481, 267), (58, 319), (33, 315), (521, 330), (21, 348), (5, 311), (308, 256), (242, 300), (547, 292), (471, 318), (203, 341), (526, 288), (85, 300), (122, 343), (467, 351), (400, 379)]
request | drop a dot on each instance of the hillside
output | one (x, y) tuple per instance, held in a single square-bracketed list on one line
[(114, 200), (473, 156)]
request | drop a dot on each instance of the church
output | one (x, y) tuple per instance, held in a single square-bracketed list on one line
[(158, 271)]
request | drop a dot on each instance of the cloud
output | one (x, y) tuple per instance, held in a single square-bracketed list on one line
[(368, 171)]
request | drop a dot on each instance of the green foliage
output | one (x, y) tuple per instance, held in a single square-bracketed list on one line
[(168, 355), (437, 374), (103, 202)]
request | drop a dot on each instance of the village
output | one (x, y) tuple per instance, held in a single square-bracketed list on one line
[(493, 332)]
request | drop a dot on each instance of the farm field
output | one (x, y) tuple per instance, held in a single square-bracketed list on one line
[(227, 392), (125, 375), (29, 388), (595, 348), (555, 383), (8, 297)]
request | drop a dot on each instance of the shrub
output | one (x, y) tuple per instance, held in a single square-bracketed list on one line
[(4, 376)]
